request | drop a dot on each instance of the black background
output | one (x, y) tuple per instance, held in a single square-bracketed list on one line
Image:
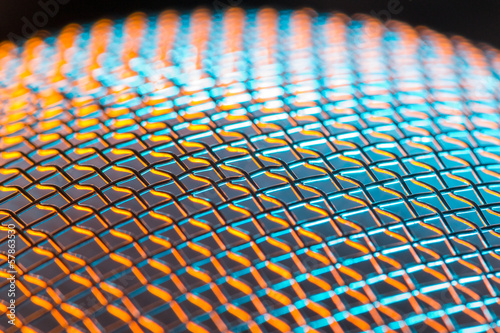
[(477, 20)]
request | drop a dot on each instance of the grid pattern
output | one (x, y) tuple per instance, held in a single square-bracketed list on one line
[(258, 171)]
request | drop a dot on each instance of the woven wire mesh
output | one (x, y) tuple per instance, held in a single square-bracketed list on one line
[(258, 171)]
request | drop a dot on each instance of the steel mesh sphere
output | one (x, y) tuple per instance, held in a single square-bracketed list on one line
[(249, 171)]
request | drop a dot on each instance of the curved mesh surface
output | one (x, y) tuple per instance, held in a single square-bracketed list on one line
[(258, 171)]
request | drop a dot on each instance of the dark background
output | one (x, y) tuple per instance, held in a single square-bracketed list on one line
[(474, 19)]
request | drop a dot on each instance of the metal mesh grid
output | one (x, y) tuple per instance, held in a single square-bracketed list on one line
[(256, 171)]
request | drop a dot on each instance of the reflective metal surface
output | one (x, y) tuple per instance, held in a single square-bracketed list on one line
[(259, 171)]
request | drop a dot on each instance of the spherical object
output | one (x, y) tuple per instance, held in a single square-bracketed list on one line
[(249, 171)]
